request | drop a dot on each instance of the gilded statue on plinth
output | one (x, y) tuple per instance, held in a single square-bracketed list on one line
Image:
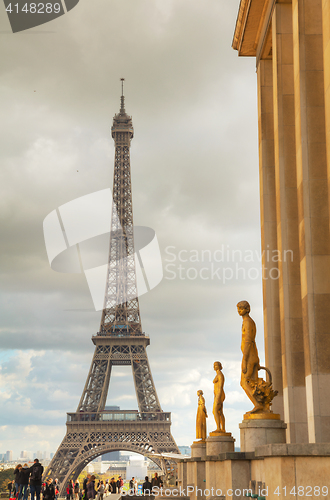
[(259, 391), (201, 417), (219, 397)]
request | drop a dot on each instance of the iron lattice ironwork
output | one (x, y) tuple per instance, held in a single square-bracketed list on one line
[(92, 431), (121, 314)]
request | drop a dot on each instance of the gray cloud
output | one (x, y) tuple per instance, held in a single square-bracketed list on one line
[(195, 182)]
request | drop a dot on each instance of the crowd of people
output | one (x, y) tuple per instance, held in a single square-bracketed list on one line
[(28, 483), (92, 490)]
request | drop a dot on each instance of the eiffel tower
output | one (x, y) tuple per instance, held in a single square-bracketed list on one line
[(91, 430)]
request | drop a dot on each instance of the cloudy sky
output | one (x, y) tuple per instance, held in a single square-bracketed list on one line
[(195, 182)]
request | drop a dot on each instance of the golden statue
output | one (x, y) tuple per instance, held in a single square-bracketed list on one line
[(219, 397), (201, 417), (258, 390)]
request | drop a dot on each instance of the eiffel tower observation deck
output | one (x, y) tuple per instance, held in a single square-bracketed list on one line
[(92, 431)]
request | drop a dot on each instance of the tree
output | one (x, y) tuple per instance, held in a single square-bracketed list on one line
[(6, 475)]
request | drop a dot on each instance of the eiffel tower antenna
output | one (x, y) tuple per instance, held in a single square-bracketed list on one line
[(92, 430)]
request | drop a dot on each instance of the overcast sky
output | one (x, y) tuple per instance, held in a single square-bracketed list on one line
[(194, 166)]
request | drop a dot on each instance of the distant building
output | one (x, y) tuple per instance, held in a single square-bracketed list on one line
[(113, 468), (112, 456), (137, 467), (118, 471), (51, 455), (185, 450), (100, 467), (9, 456), (89, 468)]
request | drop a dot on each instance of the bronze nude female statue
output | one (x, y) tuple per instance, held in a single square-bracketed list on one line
[(219, 397), (201, 417)]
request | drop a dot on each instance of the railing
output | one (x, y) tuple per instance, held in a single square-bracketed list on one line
[(119, 416), (118, 334)]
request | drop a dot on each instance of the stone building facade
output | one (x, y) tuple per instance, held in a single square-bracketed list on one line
[(291, 43)]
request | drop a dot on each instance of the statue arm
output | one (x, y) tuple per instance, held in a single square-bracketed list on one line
[(222, 381), (246, 351), (204, 408)]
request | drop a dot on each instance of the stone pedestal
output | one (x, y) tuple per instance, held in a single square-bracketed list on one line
[(198, 449), (220, 443), (257, 432)]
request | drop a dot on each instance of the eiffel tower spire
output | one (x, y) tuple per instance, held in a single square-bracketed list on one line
[(121, 314)]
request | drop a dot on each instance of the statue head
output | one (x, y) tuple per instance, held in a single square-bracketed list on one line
[(217, 365), (243, 307), (199, 393)]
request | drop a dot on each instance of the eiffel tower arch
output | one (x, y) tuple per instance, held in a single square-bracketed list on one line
[(91, 430)]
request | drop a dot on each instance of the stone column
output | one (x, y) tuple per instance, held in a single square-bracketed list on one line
[(294, 394), (270, 282), (312, 181), (326, 64), (182, 474)]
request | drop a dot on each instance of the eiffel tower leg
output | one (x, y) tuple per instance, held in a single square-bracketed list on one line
[(61, 464), (143, 381)]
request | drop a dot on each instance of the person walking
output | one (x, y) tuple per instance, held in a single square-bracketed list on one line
[(71, 489), (76, 490), (84, 492), (11, 488), (100, 491), (35, 479), (91, 493), (23, 478), (113, 486), (49, 491), (17, 471), (146, 487), (156, 481), (56, 486), (120, 484)]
